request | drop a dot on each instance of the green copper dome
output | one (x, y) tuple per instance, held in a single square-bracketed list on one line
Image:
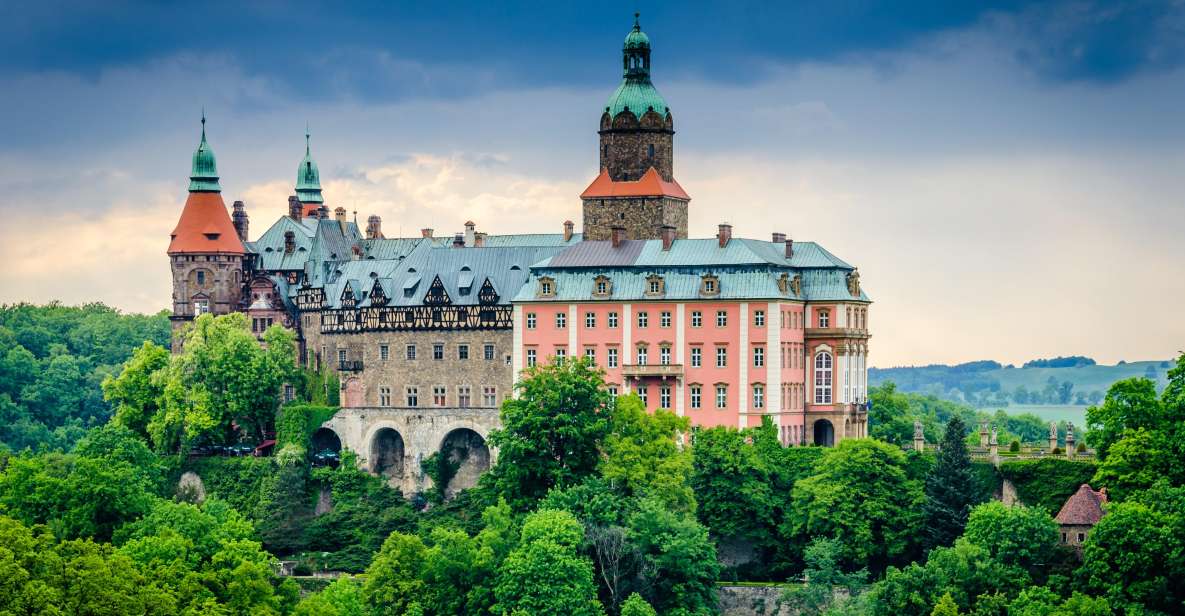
[(636, 91), (308, 178), (203, 173), (637, 39)]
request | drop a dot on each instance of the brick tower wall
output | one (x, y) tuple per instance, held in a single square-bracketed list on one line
[(641, 216)]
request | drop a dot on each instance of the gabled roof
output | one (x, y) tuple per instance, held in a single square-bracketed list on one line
[(205, 227), (1083, 508), (270, 245), (649, 185)]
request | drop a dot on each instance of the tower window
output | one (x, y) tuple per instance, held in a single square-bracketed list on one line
[(201, 277), (605, 150), (651, 150)]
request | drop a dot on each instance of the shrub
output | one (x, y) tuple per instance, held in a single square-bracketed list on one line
[(1081, 448), (1047, 482), (1014, 447), (1057, 451), (296, 423)]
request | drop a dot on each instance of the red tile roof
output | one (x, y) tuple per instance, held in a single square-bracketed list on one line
[(205, 227), (1084, 507), (649, 185)]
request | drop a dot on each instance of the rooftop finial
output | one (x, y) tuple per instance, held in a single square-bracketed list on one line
[(203, 122), (637, 26), (306, 138)]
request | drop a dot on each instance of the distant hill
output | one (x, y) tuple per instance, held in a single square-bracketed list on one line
[(1057, 381)]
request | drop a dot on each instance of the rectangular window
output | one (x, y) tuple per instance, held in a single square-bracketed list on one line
[(664, 318), (561, 320), (613, 390), (438, 351), (561, 353), (758, 357), (590, 353), (697, 357), (759, 318), (643, 394), (664, 397), (696, 396), (289, 392), (489, 396), (664, 356), (758, 396), (384, 352), (463, 396), (721, 356), (824, 319), (643, 319), (642, 355), (612, 318), (531, 320), (439, 395), (488, 352), (341, 356), (384, 396), (413, 396), (590, 320), (462, 351), (611, 357), (697, 318), (721, 318), (411, 352), (721, 396), (532, 358)]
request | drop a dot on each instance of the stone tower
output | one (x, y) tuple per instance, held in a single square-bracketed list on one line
[(636, 187), (205, 250)]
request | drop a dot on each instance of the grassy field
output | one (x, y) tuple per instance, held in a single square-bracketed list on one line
[(1084, 378), (1048, 412)]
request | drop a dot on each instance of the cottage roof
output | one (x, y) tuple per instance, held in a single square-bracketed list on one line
[(1083, 508)]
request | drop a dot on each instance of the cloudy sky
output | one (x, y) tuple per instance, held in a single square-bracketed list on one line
[(1008, 176)]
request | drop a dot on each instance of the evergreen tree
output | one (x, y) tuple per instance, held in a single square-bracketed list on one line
[(950, 489)]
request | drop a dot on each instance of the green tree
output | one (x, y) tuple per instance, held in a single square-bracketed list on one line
[(635, 605), (1018, 536), (642, 457), (733, 486), (823, 577), (1133, 463), (965, 570), (946, 606), (889, 416), (950, 489), (862, 497), (137, 390), (341, 598), (551, 431), (678, 565), (1130, 404), (1134, 555), (393, 584), (546, 574)]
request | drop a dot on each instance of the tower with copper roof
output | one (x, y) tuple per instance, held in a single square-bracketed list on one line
[(308, 182), (636, 187), (206, 253)]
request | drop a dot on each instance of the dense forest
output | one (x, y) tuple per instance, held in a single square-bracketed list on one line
[(53, 359), (595, 507)]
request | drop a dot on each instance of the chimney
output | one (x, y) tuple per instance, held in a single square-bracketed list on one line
[(470, 228), (426, 233), (617, 234), (789, 247), (459, 240), (295, 209), (323, 212), (668, 236), (568, 230), (724, 234), (374, 227), (239, 217), (339, 214), (779, 238), (479, 239), (289, 242)]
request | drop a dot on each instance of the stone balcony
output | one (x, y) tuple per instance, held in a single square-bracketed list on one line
[(658, 370)]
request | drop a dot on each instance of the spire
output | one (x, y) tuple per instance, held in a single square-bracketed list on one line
[(636, 91), (308, 177), (203, 173)]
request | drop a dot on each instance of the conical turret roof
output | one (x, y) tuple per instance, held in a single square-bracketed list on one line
[(205, 226), (308, 177)]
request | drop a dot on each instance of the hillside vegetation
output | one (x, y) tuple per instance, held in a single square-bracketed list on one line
[(1077, 381)]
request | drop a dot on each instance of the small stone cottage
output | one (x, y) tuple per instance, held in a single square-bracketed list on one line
[(1079, 514)]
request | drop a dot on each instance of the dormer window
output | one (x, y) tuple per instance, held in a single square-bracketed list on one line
[(709, 286), (655, 286), (546, 287), (824, 318), (602, 286)]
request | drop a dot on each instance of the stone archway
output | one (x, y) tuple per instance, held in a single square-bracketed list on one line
[(326, 439), (467, 451), (824, 433), (386, 455)]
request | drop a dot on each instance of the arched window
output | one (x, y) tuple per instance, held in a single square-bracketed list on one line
[(823, 378)]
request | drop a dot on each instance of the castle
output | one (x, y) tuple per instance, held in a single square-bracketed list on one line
[(428, 334)]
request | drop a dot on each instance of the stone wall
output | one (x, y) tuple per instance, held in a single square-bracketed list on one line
[(220, 281), (752, 601), (369, 431), (424, 373), (642, 217), (626, 154)]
